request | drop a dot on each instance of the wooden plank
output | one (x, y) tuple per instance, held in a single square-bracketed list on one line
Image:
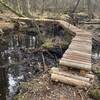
[(82, 38), (77, 48), (82, 43), (84, 35), (79, 40), (63, 73), (77, 56), (76, 61), (77, 52), (75, 64), (70, 81), (73, 28)]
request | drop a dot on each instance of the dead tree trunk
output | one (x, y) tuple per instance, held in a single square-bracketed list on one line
[(90, 12), (33, 5), (26, 8), (76, 6)]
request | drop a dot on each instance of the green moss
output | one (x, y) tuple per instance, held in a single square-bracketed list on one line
[(48, 44), (95, 94), (97, 72)]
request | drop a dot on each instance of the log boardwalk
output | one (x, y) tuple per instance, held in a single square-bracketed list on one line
[(77, 56)]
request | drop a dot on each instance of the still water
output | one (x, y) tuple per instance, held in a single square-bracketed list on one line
[(15, 66)]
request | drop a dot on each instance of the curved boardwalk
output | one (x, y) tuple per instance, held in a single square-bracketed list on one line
[(78, 55)]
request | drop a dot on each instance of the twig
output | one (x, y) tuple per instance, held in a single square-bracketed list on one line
[(80, 94), (44, 64), (49, 53)]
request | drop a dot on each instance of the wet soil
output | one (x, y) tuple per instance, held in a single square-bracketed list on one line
[(43, 88)]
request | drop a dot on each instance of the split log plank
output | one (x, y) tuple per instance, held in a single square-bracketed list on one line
[(77, 47), (77, 38), (82, 38), (78, 59), (76, 55), (63, 73), (70, 81), (75, 64), (77, 52)]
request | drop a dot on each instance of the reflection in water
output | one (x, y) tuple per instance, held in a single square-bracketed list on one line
[(96, 56), (23, 41), (12, 84), (22, 63), (17, 71)]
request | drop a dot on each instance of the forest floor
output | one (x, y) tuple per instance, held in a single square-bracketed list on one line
[(41, 87)]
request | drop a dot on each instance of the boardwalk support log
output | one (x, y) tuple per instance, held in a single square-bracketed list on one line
[(70, 81), (63, 73)]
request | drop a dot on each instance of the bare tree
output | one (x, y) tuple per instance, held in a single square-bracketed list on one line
[(33, 5), (90, 12), (74, 9), (26, 8)]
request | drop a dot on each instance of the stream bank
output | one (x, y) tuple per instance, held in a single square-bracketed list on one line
[(26, 55)]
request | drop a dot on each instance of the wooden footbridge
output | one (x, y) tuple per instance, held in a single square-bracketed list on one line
[(75, 65), (76, 57)]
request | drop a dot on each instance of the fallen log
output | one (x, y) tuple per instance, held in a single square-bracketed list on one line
[(89, 22), (70, 81), (66, 74), (75, 64)]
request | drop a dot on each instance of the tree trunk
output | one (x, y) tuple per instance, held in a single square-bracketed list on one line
[(76, 6), (90, 12), (26, 8)]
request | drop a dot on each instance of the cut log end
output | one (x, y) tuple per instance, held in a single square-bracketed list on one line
[(70, 81), (75, 64), (67, 78)]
